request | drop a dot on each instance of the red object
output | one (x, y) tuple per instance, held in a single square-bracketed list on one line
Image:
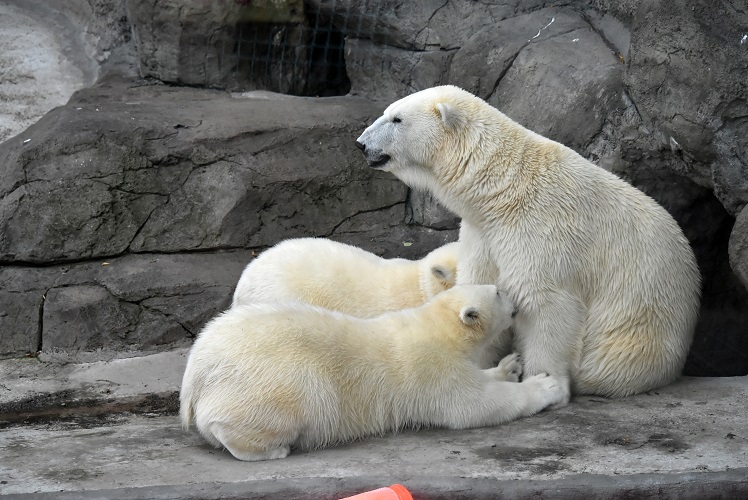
[(394, 492)]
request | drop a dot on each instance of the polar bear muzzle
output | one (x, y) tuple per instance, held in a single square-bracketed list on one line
[(374, 157)]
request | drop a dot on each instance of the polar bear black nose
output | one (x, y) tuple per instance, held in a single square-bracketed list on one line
[(360, 146)]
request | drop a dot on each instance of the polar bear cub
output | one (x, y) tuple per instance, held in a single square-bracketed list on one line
[(607, 284), (344, 278), (263, 378)]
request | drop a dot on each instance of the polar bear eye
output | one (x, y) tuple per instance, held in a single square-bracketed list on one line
[(396, 120)]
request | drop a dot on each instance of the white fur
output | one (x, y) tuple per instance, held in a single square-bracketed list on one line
[(263, 378), (606, 283), (344, 278)]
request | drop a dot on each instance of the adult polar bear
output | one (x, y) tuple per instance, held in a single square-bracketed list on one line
[(606, 283)]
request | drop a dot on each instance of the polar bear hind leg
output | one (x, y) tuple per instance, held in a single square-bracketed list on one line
[(625, 361), (247, 449)]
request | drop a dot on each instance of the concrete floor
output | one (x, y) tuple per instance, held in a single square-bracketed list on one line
[(109, 430)]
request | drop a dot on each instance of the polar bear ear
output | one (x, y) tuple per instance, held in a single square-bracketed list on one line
[(470, 315), (451, 115), (442, 273)]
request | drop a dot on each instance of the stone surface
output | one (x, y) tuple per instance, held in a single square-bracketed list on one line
[(270, 45), (130, 174), (688, 74), (182, 42), (109, 308), (739, 247), (51, 48), (108, 430), (551, 58), (36, 75), (400, 73), (122, 163)]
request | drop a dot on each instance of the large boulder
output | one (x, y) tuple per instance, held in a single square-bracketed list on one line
[(551, 59), (688, 75), (739, 247), (142, 176), (113, 307)]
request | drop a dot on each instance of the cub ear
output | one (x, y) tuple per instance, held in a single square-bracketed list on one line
[(451, 115), (470, 315), (442, 273)]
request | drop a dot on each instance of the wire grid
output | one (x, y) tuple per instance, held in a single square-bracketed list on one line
[(304, 58)]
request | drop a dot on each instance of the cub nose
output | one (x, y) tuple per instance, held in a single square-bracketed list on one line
[(360, 146)]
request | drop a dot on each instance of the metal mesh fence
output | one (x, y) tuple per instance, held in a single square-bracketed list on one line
[(302, 54)]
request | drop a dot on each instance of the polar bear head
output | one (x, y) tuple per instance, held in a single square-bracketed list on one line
[(438, 270), (481, 312), (426, 138)]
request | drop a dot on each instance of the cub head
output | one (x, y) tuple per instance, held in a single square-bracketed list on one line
[(438, 270), (483, 311), (419, 136)]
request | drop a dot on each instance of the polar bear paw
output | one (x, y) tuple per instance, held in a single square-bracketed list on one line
[(509, 368), (554, 391)]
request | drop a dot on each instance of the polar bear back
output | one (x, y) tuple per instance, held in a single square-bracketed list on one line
[(343, 278)]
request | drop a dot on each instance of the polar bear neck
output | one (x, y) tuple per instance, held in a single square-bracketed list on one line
[(492, 172)]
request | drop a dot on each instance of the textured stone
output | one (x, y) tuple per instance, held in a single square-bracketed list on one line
[(151, 168), (688, 75), (431, 24), (19, 322), (137, 175), (382, 72), (425, 210), (183, 42), (86, 317), (739, 247), (268, 45), (399, 24), (132, 303), (564, 68)]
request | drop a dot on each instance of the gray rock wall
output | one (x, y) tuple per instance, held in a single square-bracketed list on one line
[(127, 215), (653, 91)]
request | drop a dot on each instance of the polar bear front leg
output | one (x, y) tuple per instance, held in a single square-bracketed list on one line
[(500, 402), (475, 266), (548, 336), (509, 369)]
